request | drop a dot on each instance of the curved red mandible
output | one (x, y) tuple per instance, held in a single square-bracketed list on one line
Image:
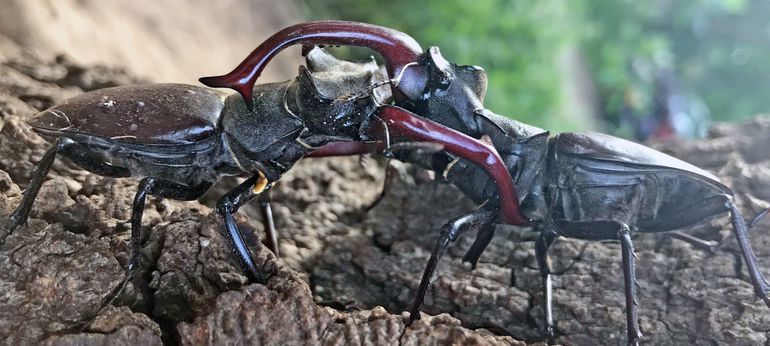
[(398, 50), (403, 123)]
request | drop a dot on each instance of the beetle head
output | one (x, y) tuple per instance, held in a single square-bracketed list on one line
[(452, 93), (336, 103)]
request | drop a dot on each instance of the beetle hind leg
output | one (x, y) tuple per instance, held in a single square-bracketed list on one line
[(20, 215), (761, 286)]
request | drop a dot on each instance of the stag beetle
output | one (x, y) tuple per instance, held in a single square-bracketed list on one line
[(581, 185), (181, 139)]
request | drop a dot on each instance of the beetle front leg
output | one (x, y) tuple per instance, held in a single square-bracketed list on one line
[(227, 206), (449, 233)]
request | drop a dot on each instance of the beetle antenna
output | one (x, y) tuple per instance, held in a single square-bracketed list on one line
[(387, 153), (285, 96), (394, 82)]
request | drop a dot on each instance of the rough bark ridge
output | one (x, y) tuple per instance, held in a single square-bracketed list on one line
[(345, 277)]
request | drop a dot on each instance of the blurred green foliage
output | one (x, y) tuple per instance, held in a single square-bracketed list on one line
[(716, 48)]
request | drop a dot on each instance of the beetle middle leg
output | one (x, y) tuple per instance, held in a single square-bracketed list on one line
[(449, 233), (154, 187), (607, 229)]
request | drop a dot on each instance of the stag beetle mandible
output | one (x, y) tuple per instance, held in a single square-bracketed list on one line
[(581, 185), (183, 138)]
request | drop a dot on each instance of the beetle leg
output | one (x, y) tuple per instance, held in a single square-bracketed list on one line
[(707, 245), (761, 286), (20, 215), (449, 232), (229, 204), (154, 187), (267, 220), (607, 229), (543, 242), (713, 246), (758, 217), (629, 275), (479, 245)]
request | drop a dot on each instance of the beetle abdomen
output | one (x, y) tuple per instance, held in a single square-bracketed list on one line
[(600, 177), (138, 114), (609, 148)]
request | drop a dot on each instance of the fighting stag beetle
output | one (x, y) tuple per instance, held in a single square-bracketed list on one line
[(181, 139), (581, 185)]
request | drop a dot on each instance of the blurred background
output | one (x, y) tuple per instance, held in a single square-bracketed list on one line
[(640, 69)]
